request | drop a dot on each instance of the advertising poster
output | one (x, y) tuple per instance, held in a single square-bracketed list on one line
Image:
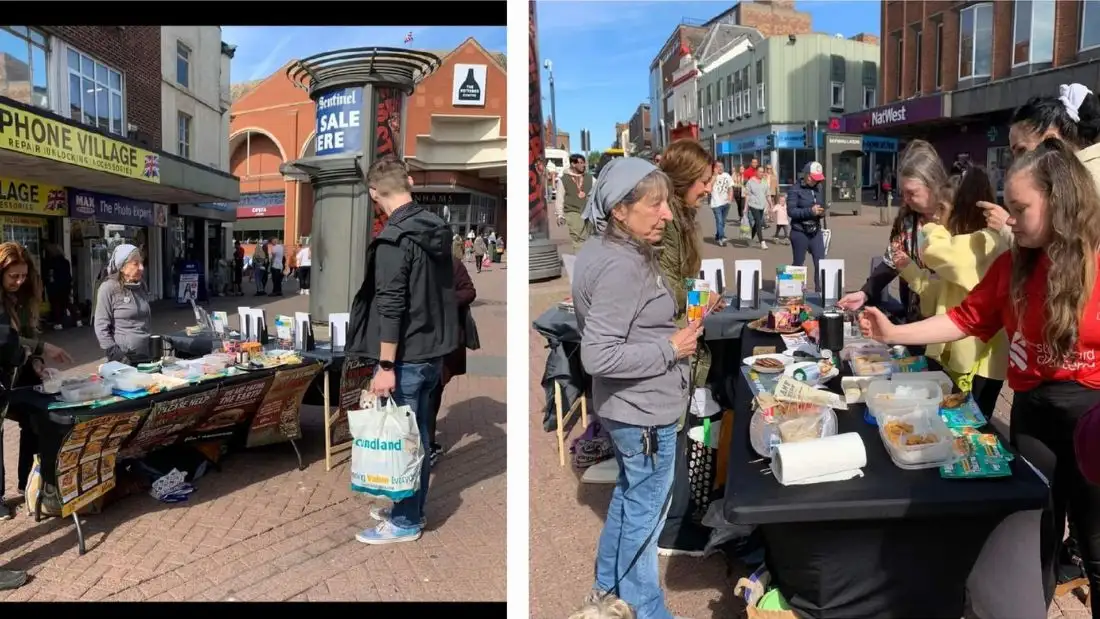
[(387, 137), (278, 417), (354, 378), (167, 420), (32, 198), (234, 406), (340, 121), (86, 461)]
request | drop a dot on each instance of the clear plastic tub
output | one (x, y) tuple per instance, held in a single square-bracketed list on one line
[(51, 381), (221, 359), (924, 421), (184, 371), (901, 394), (764, 435), (85, 390), (133, 381)]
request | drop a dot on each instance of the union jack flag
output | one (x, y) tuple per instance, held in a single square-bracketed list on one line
[(152, 166), (409, 37)]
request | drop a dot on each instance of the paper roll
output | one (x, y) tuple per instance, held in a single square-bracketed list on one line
[(833, 458)]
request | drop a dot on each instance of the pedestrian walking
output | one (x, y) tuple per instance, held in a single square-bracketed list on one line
[(479, 252), (721, 194)]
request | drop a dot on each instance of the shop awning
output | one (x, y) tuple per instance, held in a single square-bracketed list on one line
[(37, 145), (466, 143)]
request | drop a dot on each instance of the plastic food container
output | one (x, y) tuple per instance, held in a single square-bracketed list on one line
[(184, 371), (220, 358), (51, 381), (133, 381), (900, 395), (765, 435), (85, 390), (925, 421)]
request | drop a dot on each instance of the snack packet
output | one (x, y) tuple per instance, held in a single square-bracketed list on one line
[(984, 456), (912, 364), (965, 416)]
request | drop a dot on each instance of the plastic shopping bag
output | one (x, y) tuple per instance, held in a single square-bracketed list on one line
[(385, 454)]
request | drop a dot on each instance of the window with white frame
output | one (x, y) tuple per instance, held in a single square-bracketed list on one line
[(95, 93), (868, 97), (746, 94), (721, 103), (836, 95), (1033, 32), (760, 93), (918, 36), (26, 75), (976, 41), (730, 97), (1090, 24), (939, 55), (183, 65), (699, 105), (184, 136)]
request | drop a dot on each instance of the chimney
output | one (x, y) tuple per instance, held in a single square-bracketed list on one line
[(865, 37)]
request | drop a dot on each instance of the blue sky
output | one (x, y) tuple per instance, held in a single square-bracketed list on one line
[(263, 49), (601, 52)]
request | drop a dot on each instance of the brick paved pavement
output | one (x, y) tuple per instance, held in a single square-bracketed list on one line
[(262, 530), (566, 516)]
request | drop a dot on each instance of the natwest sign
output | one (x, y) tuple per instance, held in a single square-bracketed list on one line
[(895, 114)]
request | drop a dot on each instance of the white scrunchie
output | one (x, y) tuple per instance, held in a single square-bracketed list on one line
[(1072, 96)]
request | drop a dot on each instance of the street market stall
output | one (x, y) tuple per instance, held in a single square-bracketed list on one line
[(95, 425)]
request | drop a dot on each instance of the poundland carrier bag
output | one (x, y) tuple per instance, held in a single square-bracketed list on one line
[(386, 453)]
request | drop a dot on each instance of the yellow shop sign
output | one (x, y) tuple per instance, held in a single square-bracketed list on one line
[(18, 196), (38, 136)]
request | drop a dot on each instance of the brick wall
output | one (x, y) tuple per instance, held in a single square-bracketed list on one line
[(135, 51), (865, 37), (774, 19), (900, 18)]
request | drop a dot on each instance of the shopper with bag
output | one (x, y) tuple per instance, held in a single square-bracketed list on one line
[(404, 320)]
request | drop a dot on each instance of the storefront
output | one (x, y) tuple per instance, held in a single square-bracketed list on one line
[(102, 222), (463, 210), (32, 214), (260, 216), (885, 130), (201, 233), (789, 154)]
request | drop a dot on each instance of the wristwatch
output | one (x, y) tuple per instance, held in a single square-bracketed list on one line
[(386, 365)]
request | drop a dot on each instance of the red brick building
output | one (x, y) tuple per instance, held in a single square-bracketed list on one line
[(457, 152), (952, 72)]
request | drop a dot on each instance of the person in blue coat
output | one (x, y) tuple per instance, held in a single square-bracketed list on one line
[(806, 209)]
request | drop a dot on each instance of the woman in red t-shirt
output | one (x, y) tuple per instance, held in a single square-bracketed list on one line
[(1045, 294)]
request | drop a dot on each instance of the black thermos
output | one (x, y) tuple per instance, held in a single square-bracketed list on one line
[(156, 347), (831, 328)]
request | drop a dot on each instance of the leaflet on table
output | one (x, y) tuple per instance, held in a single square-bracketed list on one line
[(86, 460), (787, 389), (698, 299), (221, 322), (284, 331), (790, 285)]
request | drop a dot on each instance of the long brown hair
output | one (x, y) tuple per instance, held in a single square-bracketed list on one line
[(1073, 218), (26, 300), (686, 161), (920, 161), (973, 186)]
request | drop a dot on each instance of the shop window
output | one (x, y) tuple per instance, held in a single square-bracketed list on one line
[(1090, 24), (721, 104), (939, 55), (836, 95), (1033, 32), (760, 94), (976, 41), (899, 66), (183, 65), (184, 136), (746, 94), (918, 37), (26, 71), (95, 93), (868, 97)]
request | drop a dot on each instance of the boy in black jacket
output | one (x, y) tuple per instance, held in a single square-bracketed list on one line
[(404, 319)]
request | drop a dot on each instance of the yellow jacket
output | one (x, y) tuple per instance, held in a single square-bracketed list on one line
[(955, 264)]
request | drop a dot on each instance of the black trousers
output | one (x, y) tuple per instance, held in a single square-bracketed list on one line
[(276, 282), (1042, 425), (477, 261), (303, 277), (28, 447), (985, 392), (756, 220)]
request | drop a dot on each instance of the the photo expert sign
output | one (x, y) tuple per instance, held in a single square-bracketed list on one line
[(340, 121)]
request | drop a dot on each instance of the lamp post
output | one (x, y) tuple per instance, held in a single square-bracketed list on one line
[(553, 102)]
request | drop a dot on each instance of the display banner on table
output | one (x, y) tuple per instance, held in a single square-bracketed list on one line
[(86, 461), (167, 420), (38, 136), (278, 418), (235, 405), (354, 378), (32, 198)]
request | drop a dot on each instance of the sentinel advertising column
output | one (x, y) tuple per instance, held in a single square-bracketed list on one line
[(359, 95)]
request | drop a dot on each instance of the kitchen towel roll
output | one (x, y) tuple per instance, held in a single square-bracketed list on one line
[(833, 458)]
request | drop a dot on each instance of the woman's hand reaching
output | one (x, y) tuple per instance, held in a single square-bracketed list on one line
[(55, 353), (874, 325), (996, 217)]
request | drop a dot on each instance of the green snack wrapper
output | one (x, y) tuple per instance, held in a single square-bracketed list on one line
[(985, 456), (965, 416)]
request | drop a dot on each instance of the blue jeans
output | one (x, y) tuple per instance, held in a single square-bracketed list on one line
[(634, 512), (414, 384), (720, 213)]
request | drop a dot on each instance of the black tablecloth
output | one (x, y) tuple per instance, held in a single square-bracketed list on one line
[(892, 543)]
